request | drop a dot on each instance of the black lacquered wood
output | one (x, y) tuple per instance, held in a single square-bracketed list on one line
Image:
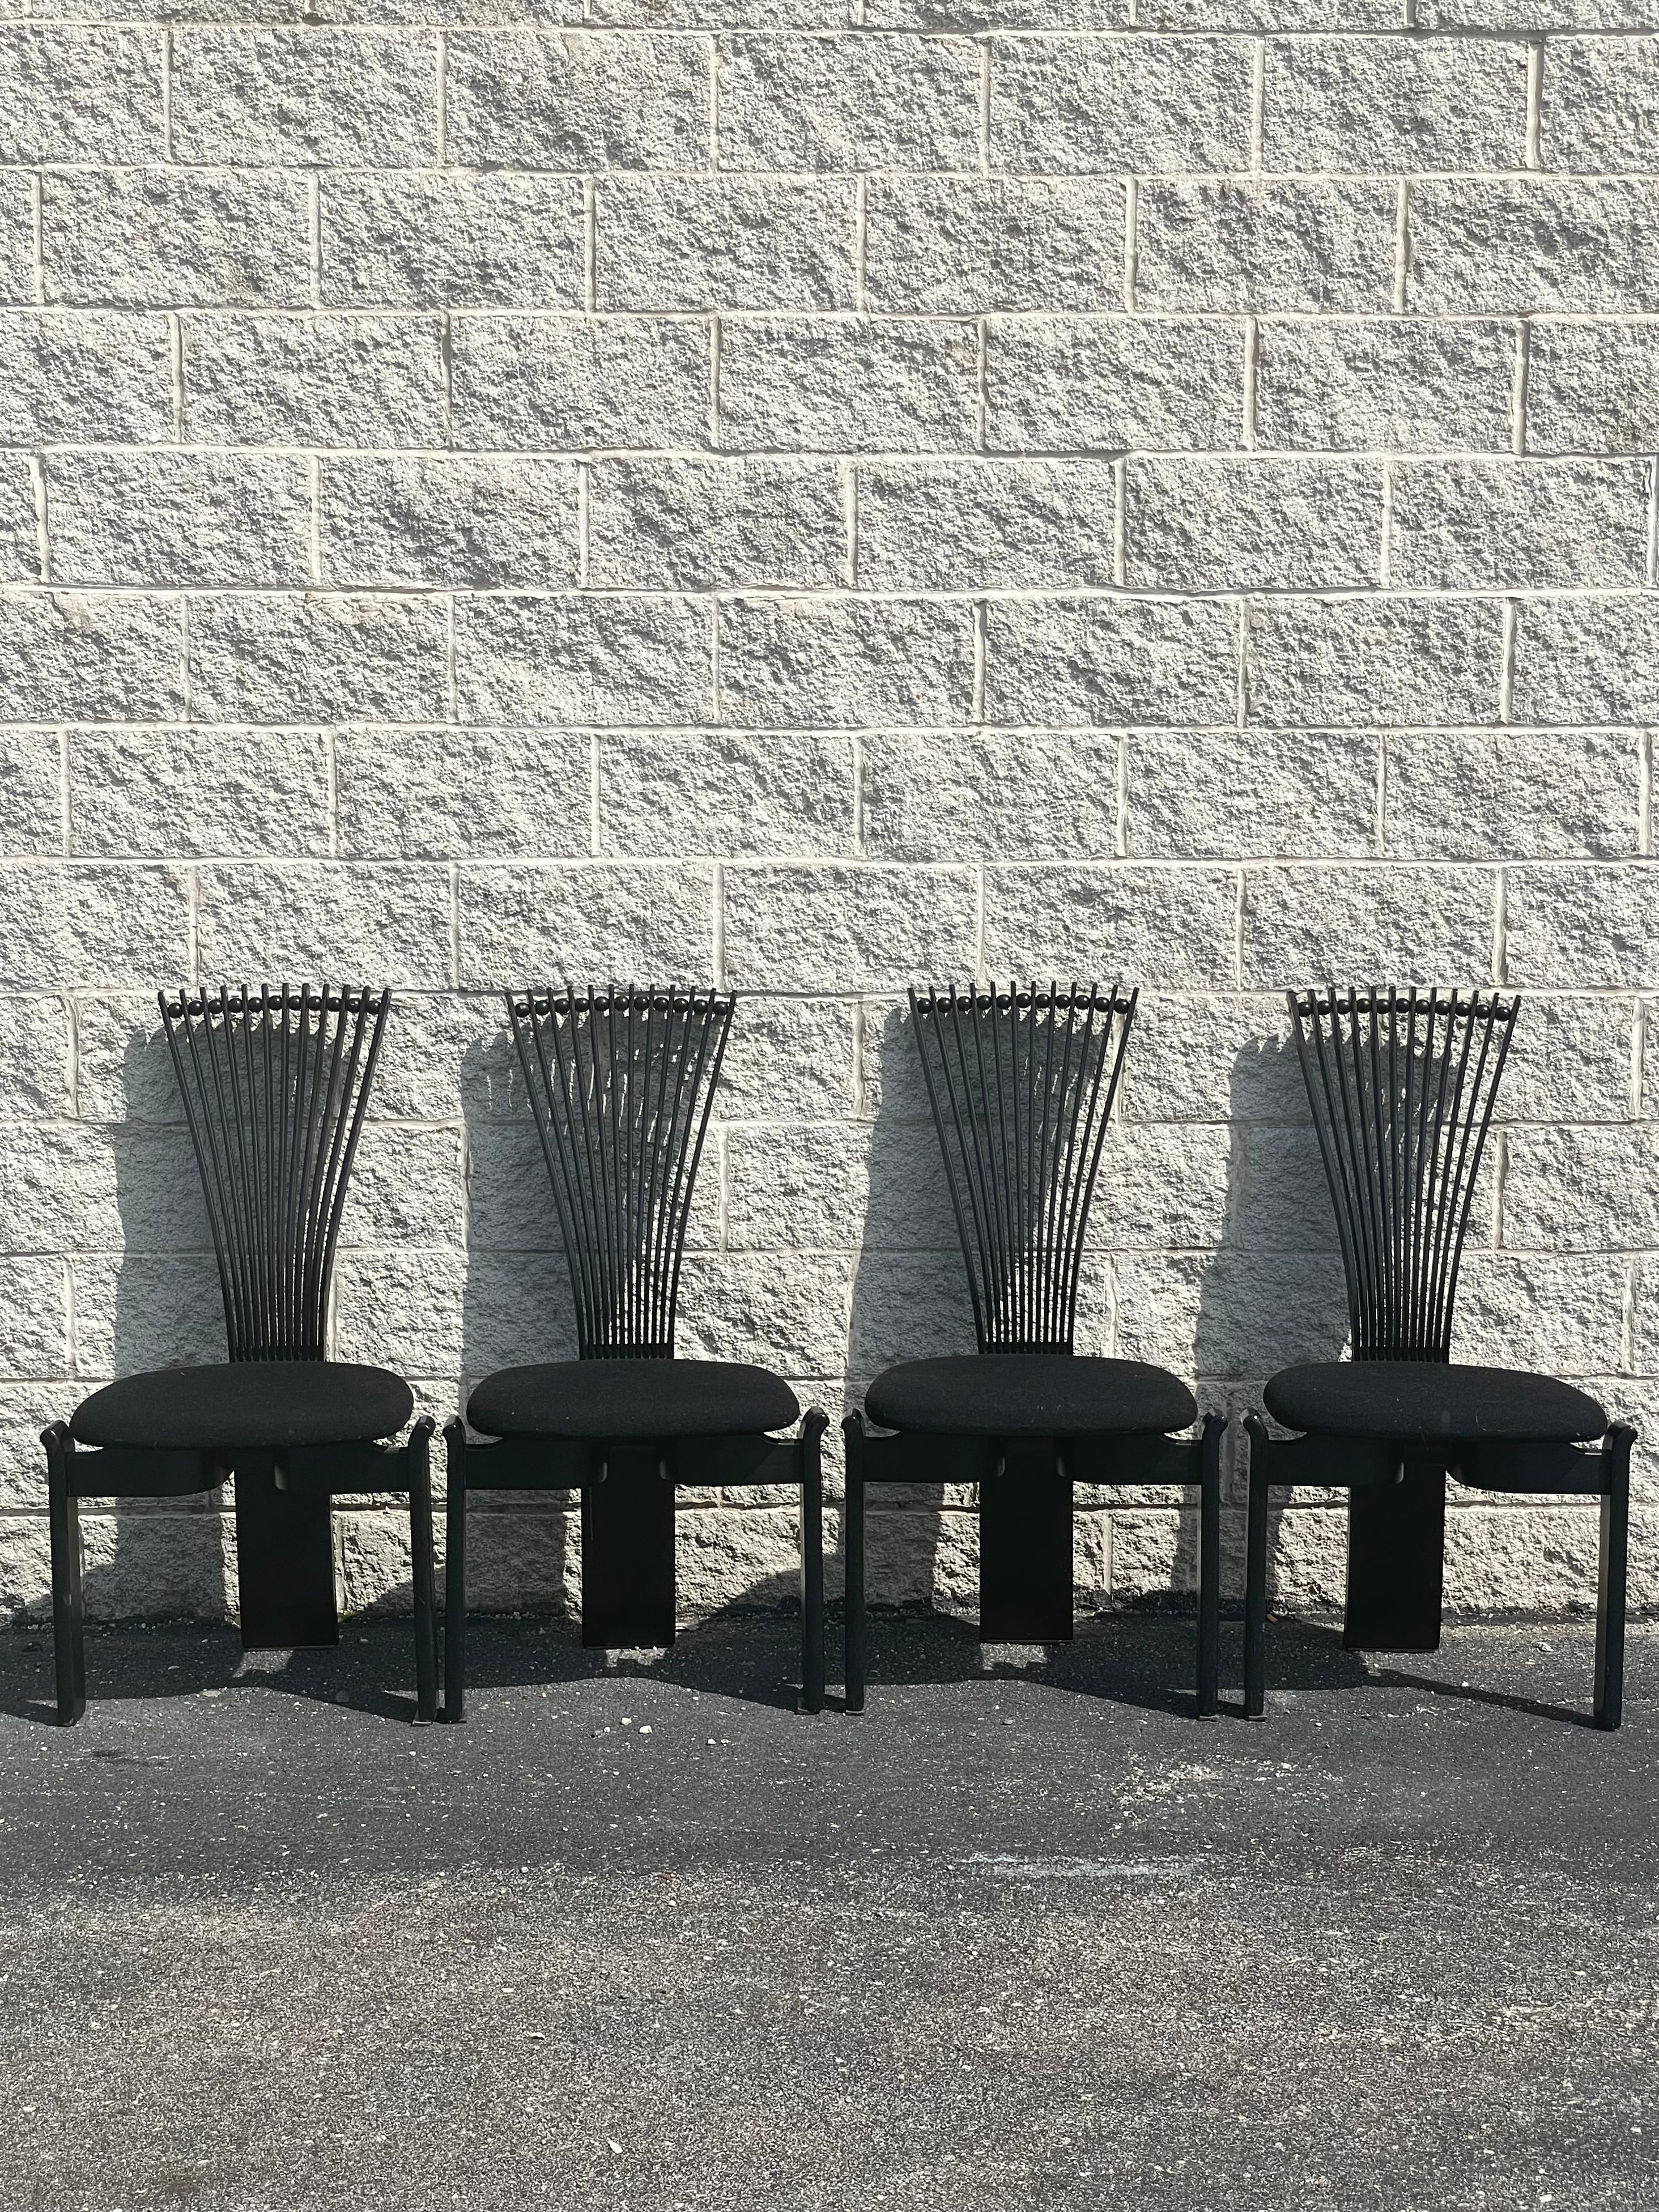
[(621, 1083), (274, 1084), (1402, 1086), (1022, 1082)]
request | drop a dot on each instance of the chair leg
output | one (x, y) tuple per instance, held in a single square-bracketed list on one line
[(1209, 1568), (811, 1561), (68, 1626), (420, 1537), (1611, 1582), (853, 1431), (1256, 1573), (455, 1575)]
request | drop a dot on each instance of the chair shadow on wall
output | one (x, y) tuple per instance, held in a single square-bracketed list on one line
[(1269, 1293), (524, 1560)]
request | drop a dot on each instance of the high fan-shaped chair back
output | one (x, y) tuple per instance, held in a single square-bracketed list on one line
[(1402, 1087), (1021, 1082), (274, 1086), (621, 1083)]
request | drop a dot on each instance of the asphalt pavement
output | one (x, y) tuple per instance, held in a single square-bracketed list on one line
[(640, 1934)]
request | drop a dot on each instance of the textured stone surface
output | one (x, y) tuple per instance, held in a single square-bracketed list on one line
[(1315, 247), (847, 385), (870, 103), (175, 238), (519, 381), (574, 102), (496, 489), (966, 246), (413, 239), (1374, 384), (323, 380), (342, 100), (1070, 385)]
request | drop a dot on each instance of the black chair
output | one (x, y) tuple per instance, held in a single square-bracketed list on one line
[(274, 1089), (1401, 1089), (1021, 1083), (621, 1083)]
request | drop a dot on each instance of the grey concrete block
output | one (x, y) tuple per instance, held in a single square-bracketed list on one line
[(1600, 104), (1483, 525), (666, 524), (224, 791), (726, 795), (1110, 662), (726, 242), (1589, 659), (1023, 795), (319, 657), (422, 239), (568, 383), (1385, 385), (91, 379), (1010, 525), (1375, 661), (332, 98), (1071, 105), (829, 662), (1399, 104), (1521, 794), (447, 792), (79, 92), (1413, 924), (970, 246), (161, 518), (847, 385), (876, 102), (386, 921), (578, 101), (580, 660), (1318, 247), (319, 380), (1491, 246), (1101, 384), (1169, 926), (175, 238), (433, 519), (1257, 522), (68, 655), (606, 918), (30, 794), (841, 929), (1593, 387), (17, 286), (1216, 794)]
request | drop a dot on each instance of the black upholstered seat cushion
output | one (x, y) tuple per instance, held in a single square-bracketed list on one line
[(636, 1401), (1021, 1394), (1430, 1402), (258, 1404)]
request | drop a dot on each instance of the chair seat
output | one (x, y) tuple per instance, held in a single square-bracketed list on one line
[(1019, 1394), (255, 1404), (632, 1401), (1432, 1401)]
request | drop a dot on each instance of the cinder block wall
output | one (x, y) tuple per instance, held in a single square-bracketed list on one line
[(1156, 486)]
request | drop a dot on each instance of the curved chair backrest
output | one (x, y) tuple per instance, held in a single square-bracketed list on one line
[(1021, 1083), (274, 1084), (621, 1083), (1402, 1088)]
